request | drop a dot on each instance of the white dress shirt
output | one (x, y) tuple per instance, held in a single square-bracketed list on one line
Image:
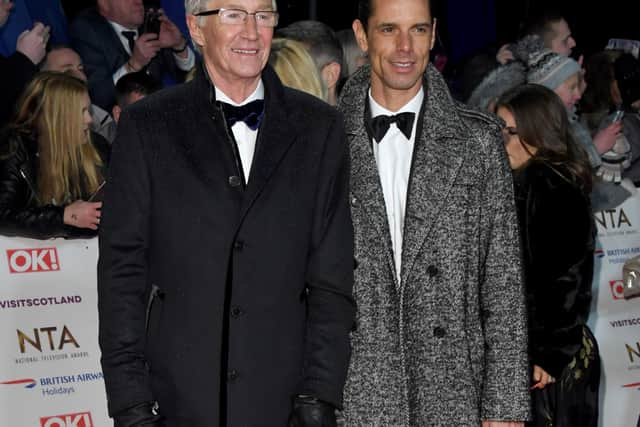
[(244, 135), (185, 64), (393, 157)]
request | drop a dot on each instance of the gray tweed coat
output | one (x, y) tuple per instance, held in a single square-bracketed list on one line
[(446, 346)]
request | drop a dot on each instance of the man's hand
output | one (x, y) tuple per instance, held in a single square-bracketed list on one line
[(144, 50), (170, 35), (308, 411), (142, 415), (502, 424), (32, 43), (504, 55)]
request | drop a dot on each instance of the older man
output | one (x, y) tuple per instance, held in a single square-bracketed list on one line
[(441, 321), (112, 42), (226, 253)]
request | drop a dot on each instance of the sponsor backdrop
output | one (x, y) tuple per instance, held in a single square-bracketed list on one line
[(614, 320), (50, 372)]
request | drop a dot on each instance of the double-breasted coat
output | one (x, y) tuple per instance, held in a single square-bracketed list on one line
[(221, 303), (447, 345)]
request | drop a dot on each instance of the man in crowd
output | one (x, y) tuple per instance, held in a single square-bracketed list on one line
[(553, 31), (132, 88), (22, 65), (325, 49), (441, 321), (111, 44), (63, 59), (226, 246)]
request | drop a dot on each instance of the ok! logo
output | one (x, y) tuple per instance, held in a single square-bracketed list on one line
[(80, 419), (33, 260)]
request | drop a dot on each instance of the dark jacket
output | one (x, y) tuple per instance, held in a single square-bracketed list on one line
[(21, 213), (17, 71), (102, 53), (558, 241), (249, 290)]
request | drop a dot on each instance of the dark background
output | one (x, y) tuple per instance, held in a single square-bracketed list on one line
[(467, 25)]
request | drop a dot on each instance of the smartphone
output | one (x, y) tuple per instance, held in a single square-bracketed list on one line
[(151, 22), (617, 116), (98, 194)]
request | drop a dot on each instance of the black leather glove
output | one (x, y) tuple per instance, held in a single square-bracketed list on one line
[(142, 415), (309, 411)]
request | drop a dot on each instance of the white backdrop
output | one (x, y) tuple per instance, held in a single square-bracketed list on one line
[(614, 320), (50, 372)]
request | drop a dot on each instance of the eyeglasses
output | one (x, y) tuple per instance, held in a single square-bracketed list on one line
[(264, 18)]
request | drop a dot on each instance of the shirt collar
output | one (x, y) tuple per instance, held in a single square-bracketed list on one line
[(413, 106), (119, 28), (258, 93)]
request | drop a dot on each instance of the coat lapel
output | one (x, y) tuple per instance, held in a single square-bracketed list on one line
[(275, 136), (207, 148), (365, 180), (437, 158)]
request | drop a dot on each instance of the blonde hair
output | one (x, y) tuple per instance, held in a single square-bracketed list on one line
[(68, 164), (296, 68)]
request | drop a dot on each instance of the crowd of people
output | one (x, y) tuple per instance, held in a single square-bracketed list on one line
[(373, 248)]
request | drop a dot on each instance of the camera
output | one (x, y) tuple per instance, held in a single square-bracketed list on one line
[(151, 21)]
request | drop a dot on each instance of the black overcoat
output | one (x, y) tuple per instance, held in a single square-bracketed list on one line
[(221, 302)]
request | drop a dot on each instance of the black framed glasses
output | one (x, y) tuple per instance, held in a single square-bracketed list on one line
[(264, 18)]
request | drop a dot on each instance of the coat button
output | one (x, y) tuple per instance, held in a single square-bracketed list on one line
[(354, 201), (439, 332), (232, 375), (432, 271), (236, 311), (234, 181), (238, 245)]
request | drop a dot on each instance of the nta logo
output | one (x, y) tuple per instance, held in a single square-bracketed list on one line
[(33, 260), (49, 332), (631, 352), (80, 419), (612, 218)]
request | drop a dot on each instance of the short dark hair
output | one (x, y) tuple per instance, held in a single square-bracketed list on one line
[(365, 10), (319, 38), (539, 23), (139, 82)]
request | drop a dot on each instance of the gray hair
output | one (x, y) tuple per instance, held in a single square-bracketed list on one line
[(194, 6)]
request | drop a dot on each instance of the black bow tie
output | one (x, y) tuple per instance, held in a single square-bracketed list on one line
[(380, 124), (250, 113)]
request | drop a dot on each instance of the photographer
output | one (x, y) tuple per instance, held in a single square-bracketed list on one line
[(119, 37)]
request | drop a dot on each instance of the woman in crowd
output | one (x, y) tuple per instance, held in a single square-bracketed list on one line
[(48, 166), (552, 179), (562, 75), (295, 67)]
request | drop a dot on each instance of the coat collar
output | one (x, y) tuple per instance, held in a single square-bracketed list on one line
[(438, 155), (275, 136)]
